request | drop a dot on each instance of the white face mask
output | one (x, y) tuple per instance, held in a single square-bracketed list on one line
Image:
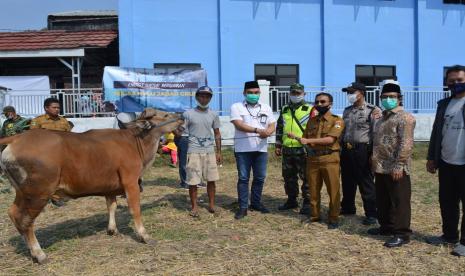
[(202, 106), (296, 99), (352, 98)]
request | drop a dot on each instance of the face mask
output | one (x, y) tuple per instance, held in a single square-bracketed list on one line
[(202, 106), (322, 109), (352, 98), (457, 88), (296, 99), (389, 103), (252, 98)]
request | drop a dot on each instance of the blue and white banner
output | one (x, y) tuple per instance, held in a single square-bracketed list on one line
[(133, 89)]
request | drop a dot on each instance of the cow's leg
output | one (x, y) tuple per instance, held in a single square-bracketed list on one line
[(133, 198), (111, 205), (23, 212)]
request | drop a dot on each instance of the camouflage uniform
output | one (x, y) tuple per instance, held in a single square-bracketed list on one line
[(15, 126), (293, 153)]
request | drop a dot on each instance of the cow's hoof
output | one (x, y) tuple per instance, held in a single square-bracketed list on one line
[(151, 242), (40, 259), (112, 232)]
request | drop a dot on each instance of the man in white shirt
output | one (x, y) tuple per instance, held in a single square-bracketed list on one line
[(254, 123)]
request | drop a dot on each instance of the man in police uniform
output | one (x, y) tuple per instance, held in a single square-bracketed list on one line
[(322, 135), (293, 118), (357, 142), (53, 121), (14, 123)]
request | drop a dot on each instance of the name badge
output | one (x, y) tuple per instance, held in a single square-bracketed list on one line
[(263, 118)]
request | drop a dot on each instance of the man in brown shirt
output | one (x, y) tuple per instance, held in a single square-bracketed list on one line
[(391, 162), (322, 136), (53, 121)]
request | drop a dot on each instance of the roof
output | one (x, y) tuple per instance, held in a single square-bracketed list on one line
[(56, 39), (85, 13)]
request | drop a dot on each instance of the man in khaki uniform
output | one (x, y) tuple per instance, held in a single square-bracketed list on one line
[(53, 121), (322, 137)]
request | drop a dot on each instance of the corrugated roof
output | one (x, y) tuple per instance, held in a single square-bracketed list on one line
[(59, 39), (86, 13)]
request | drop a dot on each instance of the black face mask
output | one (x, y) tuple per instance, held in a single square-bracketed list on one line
[(322, 109)]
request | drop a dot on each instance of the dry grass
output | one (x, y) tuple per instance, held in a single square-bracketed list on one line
[(74, 237)]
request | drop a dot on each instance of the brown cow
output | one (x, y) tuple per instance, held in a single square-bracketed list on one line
[(105, 162)]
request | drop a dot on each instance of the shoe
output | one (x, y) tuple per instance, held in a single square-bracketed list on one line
[(261, 208), (57, 202), (202, 185), (440, 240), (396, 241), (377, 231), (347, 213), (369, 221), (459, 250), (240, 214), (184, 186), (333, 225), (288, 205), (172, 165), (305, 210)]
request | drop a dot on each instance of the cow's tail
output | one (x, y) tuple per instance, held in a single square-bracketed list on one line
[(7, 140)]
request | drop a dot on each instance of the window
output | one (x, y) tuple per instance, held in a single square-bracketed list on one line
[(372, 75), (277, 74), (170, 68), (453, 1)]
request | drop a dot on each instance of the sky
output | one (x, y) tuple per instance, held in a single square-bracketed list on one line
[(18, 15)]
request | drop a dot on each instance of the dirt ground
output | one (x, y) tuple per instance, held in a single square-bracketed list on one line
[(75, 240)]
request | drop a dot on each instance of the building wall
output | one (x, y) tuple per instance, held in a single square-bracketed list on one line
[(327, 38)]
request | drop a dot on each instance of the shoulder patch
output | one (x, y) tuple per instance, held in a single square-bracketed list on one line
[(337, 124), (285, 109), (371, 106), (305, 108)]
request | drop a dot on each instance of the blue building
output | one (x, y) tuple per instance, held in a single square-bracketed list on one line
[(315, 42)]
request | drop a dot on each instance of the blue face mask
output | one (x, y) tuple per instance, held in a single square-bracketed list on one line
[(457, 88), (389, 103)]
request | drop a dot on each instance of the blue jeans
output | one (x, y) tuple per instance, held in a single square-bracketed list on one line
[(183, 144), (245, 161)]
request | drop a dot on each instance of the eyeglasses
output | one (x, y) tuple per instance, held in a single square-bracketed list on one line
[(388, 96), (321, 102)]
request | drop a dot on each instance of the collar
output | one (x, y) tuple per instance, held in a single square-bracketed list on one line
[(362, 106), (245, 103), (394, 110), (47, 117), (296, 105), (327, 115)]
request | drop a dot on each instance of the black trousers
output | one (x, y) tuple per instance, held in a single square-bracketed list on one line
[(451, 193), (356, 171), (393, 202)]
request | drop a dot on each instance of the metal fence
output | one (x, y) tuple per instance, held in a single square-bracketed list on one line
[(91, 102)]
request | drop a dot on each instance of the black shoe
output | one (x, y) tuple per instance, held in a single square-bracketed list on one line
[(202, 185), (57, 202), (397, 241), (241, 213), (377, 231), (333, 225), (369, 221), (440, 240), (184, 186), (347, 213), (261, 208), (305, 210), (288, 205)]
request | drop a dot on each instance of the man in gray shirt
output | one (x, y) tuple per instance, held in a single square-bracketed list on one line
[(447, 153), (357, 140), (203, 127)]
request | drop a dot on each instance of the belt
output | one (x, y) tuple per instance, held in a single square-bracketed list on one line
[(322, 152), (354, 146), (293, 151)]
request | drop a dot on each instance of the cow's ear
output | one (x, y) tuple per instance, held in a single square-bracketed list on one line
[(144, 124), (148, 113)]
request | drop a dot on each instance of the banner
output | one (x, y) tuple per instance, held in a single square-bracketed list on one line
[(133, 89)]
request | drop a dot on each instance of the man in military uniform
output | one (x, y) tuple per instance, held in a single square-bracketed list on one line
[(51, 119), (14, 123), (357, 143), (322, 135), (293, 118)]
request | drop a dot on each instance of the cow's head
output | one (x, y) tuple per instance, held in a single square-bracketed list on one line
[(155, 119)]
